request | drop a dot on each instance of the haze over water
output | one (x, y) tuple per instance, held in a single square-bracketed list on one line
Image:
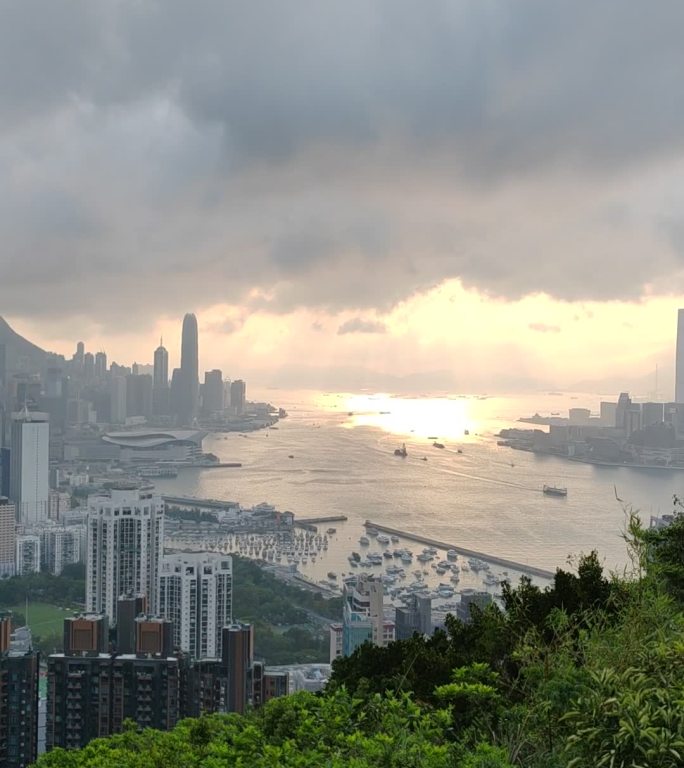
[(487, 498)]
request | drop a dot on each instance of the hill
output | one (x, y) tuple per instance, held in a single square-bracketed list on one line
[(21, 356)]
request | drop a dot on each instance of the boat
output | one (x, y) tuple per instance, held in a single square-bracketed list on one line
[(424, 458), (332, 575), (401, 451), (387, 555), (372, 531), (459, 451), (553, 490), (331, 531), (424, 557), (395, 539), (355, 556), (433, 437), (452, 554), (382, 538), (438, 445), (364, 541), (290, 456)]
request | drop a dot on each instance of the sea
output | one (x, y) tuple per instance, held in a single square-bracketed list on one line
[(334, 455)]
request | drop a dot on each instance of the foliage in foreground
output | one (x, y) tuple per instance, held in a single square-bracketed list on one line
[(586, 674)]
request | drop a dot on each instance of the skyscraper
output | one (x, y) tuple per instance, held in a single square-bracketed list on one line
[(238, 390), (212, 392), (100, 365), (125, 544), (29, 466), (679, 363), (8, 544), (196, 594), (19, 669), (189, 370), (160, 393)]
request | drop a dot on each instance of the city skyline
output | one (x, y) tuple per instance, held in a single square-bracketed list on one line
[(404, 192)]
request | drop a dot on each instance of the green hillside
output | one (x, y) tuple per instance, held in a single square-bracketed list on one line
[(588, 673)]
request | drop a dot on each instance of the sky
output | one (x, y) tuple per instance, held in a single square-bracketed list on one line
[(451, 195)]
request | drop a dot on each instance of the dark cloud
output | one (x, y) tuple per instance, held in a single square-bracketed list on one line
[(544, 328), (335, 155), (359, 325)]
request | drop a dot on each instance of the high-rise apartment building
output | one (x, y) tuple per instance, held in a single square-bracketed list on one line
[(416, 617), (196, 594), (189, 371), (363, 618), (19, 673), (124, 547), (29, 466), (238, 660), (28, 554), (60, 545), (8, 541), (91, 692)]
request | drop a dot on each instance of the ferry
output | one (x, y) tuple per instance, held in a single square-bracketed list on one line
[(553, 490)]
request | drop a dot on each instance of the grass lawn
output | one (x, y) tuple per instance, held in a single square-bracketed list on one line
[(43, 619)]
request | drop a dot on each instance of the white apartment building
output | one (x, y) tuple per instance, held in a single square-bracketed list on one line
[(29, 466), (60, 546), (28, 554), (8, 541), (125, 533), (196, 593)]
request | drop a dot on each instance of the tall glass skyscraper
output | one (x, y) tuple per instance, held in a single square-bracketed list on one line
[(189, 370), (679, 363)]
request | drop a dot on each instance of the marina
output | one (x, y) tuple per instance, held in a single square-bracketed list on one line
[(522, 567)]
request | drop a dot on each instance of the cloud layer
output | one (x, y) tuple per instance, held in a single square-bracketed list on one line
[(158, 157)]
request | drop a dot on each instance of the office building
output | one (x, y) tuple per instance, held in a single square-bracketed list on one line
[(416, 617), (160, 391), (212, 393), (8, 541), (29, 466), (27, 554), (608, 414), (88, 367), (139, 395), (100, 365), (652, 413), (363, 618), (679, 359), (19, 674), (238, 393), (117, 400), (196, 594), (624, 403), (125, 532), (189, 371), (92, 692)]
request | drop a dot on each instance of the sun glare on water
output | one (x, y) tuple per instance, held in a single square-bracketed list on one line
[(438, 418)]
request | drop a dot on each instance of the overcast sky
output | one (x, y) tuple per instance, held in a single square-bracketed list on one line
[(458, 194)]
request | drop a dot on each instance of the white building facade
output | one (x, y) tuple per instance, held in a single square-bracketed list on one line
[(125, 533), (29, 466), (28, 554), (196, 593)]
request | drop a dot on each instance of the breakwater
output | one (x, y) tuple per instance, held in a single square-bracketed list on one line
[(522, 567)]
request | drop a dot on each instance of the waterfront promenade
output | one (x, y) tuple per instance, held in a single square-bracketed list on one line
[(522, 567)]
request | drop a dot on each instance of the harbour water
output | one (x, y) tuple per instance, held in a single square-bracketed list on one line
[(334, 455)]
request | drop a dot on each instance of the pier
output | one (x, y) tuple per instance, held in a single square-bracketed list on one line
[(310, 523), (528, 569), (184, 501)]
